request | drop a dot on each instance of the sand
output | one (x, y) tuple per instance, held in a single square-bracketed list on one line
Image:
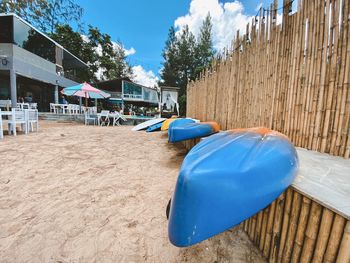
[(74, 193)]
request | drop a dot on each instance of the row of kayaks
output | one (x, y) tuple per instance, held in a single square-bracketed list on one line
[(179, 129), (226, 178)]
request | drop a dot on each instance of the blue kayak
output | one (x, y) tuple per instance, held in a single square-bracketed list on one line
[(227, 178), (154, 127), (179, 123), (186, 131)]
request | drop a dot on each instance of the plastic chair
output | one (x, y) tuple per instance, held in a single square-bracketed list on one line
[(103, 118), (18, 117), (33, 118), (89, 118)]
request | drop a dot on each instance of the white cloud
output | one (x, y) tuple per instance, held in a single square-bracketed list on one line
[(143, 77), (227, 18), (130, 51)]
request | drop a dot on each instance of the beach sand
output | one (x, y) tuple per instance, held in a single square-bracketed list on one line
[(74, 193)]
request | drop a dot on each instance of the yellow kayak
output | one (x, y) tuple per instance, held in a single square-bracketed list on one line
[(166, 123)]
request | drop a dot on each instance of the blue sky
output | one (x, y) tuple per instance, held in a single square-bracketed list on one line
[(143, 25)]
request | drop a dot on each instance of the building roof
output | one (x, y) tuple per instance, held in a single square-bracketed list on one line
[(169, 88), (69, 54)]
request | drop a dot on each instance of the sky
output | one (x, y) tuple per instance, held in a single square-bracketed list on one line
[(143, 25)]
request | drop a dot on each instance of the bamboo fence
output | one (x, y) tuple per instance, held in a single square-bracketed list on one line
[(293, 78)]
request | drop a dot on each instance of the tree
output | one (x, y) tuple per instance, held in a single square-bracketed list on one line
[(168, 74), (110, 56), (45, 14), (185, 58), (204, 49), (106, 59)]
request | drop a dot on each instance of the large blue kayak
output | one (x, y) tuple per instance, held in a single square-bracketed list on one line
[(227, 178), (185, 131)]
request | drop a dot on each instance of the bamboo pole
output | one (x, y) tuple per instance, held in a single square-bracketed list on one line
[(292, 228), (344, 250), (285, 223), (311, 232), (299, 238), (263, 228), (323, 235), (267, 244), (334, 239)]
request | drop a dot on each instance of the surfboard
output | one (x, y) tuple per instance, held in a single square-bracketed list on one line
[(146, 124), (227, 178)]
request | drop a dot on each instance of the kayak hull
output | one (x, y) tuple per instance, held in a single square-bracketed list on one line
[(154, 127), (226, 179), (178, 133), (166, 123)]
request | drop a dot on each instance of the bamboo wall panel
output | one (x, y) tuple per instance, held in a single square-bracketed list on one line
[(296, 229), (293, 77)]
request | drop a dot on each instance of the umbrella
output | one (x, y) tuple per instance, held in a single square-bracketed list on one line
[(86, 91)]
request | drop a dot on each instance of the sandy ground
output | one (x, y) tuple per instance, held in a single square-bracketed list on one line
[(72, 193)]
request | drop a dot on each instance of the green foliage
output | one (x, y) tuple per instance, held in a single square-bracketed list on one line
[(204, 49), (169, 54), (97, 50), (109, 57), (182, 104), (45, 14), (185, 57)]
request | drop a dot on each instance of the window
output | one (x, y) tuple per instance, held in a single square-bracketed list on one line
[(132, 90), (29, 39), (6, 32)]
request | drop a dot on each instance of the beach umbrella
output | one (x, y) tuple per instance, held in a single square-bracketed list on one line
[(85, 90)]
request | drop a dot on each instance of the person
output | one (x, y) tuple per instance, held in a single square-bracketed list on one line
[(29, 98), (20, 99), (63, 100)]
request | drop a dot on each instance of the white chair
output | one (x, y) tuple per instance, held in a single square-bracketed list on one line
[(83, 109), (122, 117), (116, 117), (53, 108), (33, 105), (23, 106), (76, 109), (1, 129), (18, 117), (70, 109), (89, 118), (93, 110), (103, 118), (5, 104), (33, 119)]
